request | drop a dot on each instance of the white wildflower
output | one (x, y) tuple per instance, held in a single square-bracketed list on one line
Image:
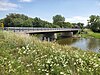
[(23, 47), (62, 73), (5, 58), (49, 60), (96, 65), (27, 71), (24, 52), (28, 65), (47, 73), (39, 69)]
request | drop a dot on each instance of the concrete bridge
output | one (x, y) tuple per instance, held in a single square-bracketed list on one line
[(47, 32)]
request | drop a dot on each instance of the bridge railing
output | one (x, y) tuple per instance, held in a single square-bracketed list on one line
[(29, 28), (21, 29)]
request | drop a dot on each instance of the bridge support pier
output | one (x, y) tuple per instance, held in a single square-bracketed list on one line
[(49, 36), (67, 34)]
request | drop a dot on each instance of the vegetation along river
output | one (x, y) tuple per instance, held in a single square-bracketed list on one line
[(82, 43)]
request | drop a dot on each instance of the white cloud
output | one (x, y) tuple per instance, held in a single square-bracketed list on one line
[(77, 19), (5, 5), (25, 0)]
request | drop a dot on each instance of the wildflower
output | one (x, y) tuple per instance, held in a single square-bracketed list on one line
[(5, 58), (47, 73), (96, 65), (39, 69), (78, 70), (24, 52), (65, 65), (49, 60), (17, 48), (57, 65), (62, 73), (99, 59), (18, 66), (23, 47), (27, 71), (52, 69), (43, 70), (27, 47), (28, 65)]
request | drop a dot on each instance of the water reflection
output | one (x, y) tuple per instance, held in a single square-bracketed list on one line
[(67, 41), (83, 43), (93, 44)]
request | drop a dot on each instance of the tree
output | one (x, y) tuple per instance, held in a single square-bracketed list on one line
[(67, 25), (58, 20), (28, 23), (80, 25), (15, 20), (94, 23), (37, 22)]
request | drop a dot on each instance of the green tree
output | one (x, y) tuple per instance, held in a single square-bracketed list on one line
[(58, 20), (37, 22), (28, 23), (94, 23), (67, 25), (80, 25), (17, 22)]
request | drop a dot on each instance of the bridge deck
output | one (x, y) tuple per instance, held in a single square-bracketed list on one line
[(51, 31), (31, 30)]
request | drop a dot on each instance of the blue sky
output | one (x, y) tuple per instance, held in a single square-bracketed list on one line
[(72, 10)]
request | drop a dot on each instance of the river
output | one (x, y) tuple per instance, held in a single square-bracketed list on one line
[(82, 43)]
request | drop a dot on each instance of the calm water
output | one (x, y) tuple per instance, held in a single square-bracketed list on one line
[(83, 43)]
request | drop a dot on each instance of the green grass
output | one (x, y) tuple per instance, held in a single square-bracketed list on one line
[(21, 54), (90, 34)]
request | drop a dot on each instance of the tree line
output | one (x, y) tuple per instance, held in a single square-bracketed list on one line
[(21, 20)]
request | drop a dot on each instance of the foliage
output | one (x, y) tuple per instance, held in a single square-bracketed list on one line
[(60, 21), (94, 23), (14, 20), (58, 18), (26, 55), (40, 23), (78, 25), (20, 20)]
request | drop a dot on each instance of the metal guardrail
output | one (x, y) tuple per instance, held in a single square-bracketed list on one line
[(20, 29)]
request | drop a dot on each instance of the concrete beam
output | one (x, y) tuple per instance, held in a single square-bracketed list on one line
[(67, 34)]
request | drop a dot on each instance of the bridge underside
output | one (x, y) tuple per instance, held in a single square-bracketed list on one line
[(51, 35)]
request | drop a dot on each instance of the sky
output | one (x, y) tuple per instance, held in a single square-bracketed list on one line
[(74, 11)]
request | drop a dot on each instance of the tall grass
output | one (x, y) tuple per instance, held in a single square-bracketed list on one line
[(21, 54)]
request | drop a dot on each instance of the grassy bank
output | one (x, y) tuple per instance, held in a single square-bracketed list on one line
[(90, 33), (26, 55)]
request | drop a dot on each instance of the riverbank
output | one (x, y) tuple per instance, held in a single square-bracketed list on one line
[(90, 34), (25, 55)]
